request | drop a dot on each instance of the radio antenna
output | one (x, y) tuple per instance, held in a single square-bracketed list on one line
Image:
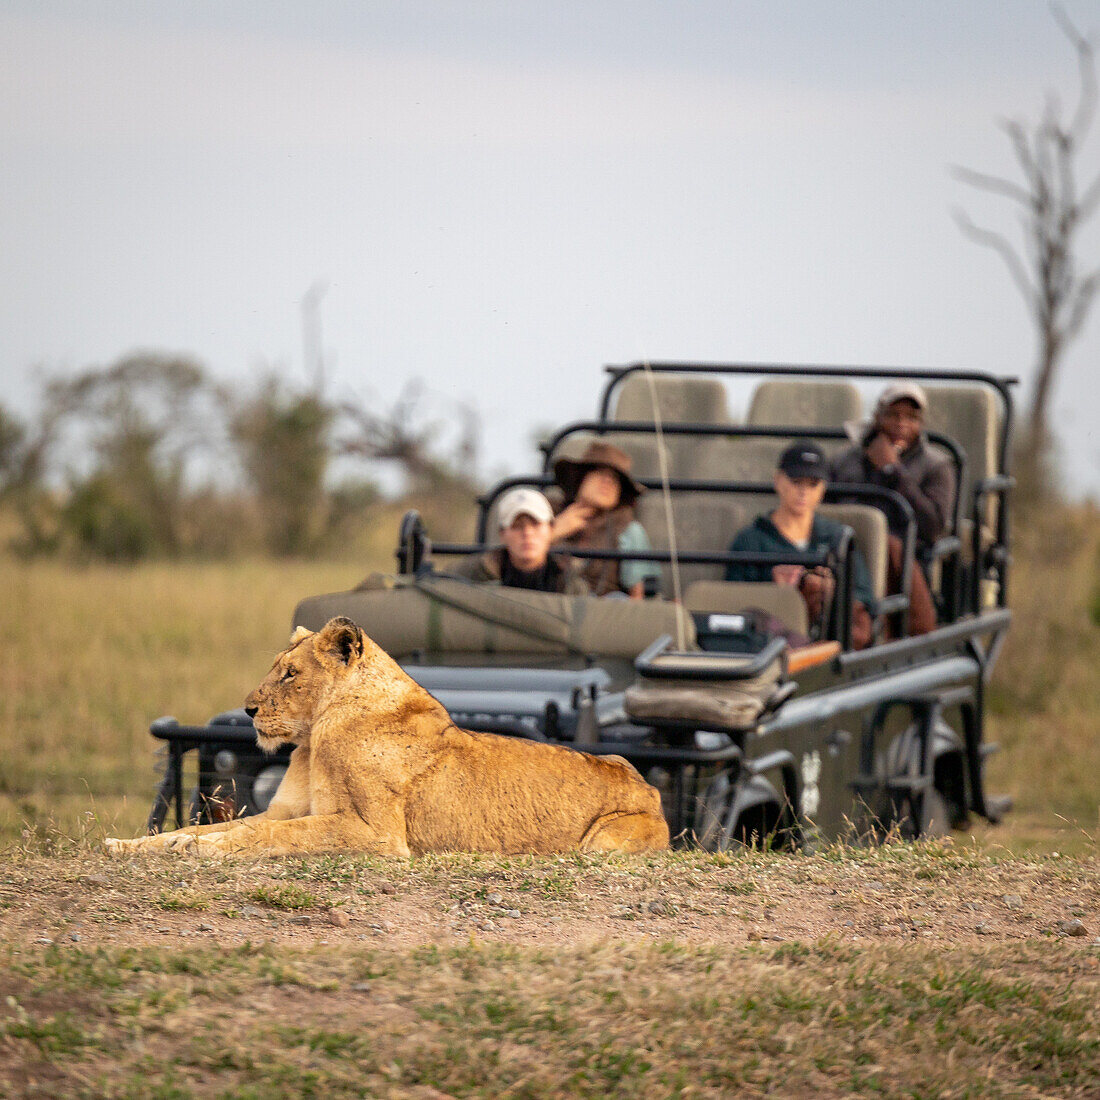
[(662, 465)]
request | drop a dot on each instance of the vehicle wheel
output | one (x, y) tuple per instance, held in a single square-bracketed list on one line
[(712, 814), (935, 816), (197, 812), (205, 810)]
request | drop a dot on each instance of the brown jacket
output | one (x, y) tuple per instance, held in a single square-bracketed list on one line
[(602, 533)]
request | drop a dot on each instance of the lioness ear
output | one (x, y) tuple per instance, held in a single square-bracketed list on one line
[(341, 639), (300, 632)]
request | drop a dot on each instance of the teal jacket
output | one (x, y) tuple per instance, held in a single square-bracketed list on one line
[(763, 536)]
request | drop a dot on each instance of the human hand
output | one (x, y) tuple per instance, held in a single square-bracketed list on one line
[(881, 451), (787, 574), (817, 587), (572, 519)]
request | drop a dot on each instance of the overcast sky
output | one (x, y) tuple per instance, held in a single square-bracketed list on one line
[(502, 196)]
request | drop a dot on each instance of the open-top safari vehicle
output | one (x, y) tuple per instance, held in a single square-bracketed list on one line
[(746, 739)]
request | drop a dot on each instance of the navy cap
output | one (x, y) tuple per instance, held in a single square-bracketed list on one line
[(803, 459)]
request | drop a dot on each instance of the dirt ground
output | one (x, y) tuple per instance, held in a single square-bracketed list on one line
[(940, 892)]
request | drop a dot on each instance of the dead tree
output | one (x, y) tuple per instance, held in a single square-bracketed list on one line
[(1046, 268)]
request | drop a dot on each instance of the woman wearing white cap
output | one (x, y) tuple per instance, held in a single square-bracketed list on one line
[(524, 559)]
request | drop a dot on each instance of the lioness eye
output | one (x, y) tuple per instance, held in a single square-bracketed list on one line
[(290, 674)]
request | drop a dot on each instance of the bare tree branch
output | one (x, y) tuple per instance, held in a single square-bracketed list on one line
[(1045, 269), (1089, 199), (1001, 245), (994, 184), (1086, 291), (1086, 103)]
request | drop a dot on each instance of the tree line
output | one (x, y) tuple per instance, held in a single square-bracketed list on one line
[(151, 457)]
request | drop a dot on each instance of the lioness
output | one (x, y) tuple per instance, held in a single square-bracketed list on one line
[(380, 767)]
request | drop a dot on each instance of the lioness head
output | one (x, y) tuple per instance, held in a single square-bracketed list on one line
[(303, 679)]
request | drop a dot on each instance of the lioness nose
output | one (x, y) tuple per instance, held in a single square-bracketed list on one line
[(251, 711)]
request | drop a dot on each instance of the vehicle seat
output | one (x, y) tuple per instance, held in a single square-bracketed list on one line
[(871, 532), (971, 416), (737, 458), (680, 398), (705, 523), (786, 402), (641, 446), (477, 618)]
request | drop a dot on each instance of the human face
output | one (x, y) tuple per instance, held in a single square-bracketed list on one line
[(901, 423), (799, 496), (600, 488), (527, 541)]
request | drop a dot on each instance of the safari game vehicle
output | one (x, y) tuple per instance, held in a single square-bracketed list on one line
[(748, 740)]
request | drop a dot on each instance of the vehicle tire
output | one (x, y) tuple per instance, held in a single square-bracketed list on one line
[(204, 810), (197, 810), (935, 816), (715, 806), (941, 806)]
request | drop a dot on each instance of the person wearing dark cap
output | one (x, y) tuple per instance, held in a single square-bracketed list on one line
[(795, 526), (891, 451), (596, 512)]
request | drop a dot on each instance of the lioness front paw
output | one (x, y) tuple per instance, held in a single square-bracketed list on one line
[(158, 842), (117, 846), (216, 845)]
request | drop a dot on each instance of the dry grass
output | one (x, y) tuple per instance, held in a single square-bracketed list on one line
[(98, 652), (910, 971), (93, 655), (1045, 701)]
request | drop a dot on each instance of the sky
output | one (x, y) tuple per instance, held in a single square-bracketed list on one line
[(496, 198)]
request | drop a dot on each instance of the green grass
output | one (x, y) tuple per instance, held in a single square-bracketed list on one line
[(288, 895), (608, 1020)]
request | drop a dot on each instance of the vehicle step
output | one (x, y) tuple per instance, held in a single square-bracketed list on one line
[(901, 784), (997, 806)]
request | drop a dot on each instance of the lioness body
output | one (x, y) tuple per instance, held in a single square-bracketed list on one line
[(379, 767)]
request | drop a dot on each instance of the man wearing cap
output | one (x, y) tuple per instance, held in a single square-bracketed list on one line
[(891, 450), (524, 560), (795, 526), (596, 512)]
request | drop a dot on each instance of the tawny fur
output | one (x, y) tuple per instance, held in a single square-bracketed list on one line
[(379, 767)]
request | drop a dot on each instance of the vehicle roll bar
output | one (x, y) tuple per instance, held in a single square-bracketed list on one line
[(751, 431), (918, 374)]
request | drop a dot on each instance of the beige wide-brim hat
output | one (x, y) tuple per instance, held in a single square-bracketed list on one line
[(569, 472)]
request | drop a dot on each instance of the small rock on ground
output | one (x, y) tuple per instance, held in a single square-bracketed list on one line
[(1072, 928)]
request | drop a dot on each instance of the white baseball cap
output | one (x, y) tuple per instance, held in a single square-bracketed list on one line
[(524, 502)]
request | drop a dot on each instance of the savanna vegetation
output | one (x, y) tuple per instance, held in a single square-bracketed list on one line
[(965, 967)]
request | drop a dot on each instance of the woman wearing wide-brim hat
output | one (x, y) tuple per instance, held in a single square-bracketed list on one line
[(597, 513)]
